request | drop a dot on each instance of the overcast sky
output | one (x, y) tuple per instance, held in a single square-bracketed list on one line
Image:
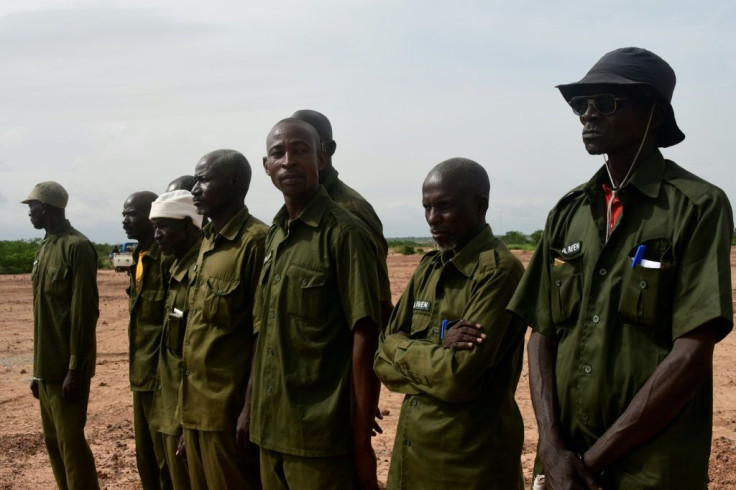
[(112, 97)]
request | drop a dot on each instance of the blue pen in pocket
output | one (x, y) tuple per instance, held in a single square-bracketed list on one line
[(444, 326), (638, 255)]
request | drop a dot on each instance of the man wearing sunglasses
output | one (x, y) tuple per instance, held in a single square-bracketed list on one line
[(627, 293)]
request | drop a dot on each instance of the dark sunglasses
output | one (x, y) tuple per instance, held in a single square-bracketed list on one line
[(604, 104)]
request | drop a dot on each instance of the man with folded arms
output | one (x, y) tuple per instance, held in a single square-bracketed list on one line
[(453, 350)]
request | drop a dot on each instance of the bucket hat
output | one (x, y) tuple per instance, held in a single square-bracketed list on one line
[(635, 67)]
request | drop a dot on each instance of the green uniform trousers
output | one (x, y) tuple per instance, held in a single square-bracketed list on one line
[(215, 462), (280, 471), (177, 466), (150, 456), (63, 432)]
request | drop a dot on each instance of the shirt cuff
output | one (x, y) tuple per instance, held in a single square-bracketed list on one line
[(73, 362)]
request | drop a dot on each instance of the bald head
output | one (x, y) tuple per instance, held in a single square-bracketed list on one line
[(464, 175), (230, 163), (185, 182), (455, 201), (318, 120), (136, 224), (285, 125)]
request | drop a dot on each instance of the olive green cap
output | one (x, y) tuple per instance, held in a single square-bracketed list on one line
[(49, 192)]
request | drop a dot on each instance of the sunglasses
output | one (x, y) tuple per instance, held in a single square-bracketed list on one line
[(604, 104)]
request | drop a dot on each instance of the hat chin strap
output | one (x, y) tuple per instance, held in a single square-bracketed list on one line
[(616, 188)]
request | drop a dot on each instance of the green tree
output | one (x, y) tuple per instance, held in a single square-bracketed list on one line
[(535, 237)]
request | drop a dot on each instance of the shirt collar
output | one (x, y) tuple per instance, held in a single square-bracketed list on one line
[(466, 259), (647, 176), (151, 253), (232, 227), (330, 178), (312, 213), (180, 268)]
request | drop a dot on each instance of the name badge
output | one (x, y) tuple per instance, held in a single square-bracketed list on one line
[(422, 305), (572, 250)]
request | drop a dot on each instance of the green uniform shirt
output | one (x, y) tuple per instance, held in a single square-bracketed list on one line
[(166, 394), (219, 335), (459, 426), (65, 304), (615, 324), (351, 200), (318, 280), (146, 307)]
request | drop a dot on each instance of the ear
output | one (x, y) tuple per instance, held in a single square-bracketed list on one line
[(321, 160), (330, 147), (265, 165)]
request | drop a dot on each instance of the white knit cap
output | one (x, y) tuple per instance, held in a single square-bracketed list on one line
[(176, 204)]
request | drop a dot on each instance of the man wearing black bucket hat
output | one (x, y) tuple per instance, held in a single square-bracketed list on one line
[(627, 293)]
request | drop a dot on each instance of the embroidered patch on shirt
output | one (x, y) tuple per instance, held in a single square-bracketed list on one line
[(572, 250), (422, 305)]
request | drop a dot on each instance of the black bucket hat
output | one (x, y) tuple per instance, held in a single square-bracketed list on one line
[(634, 67)]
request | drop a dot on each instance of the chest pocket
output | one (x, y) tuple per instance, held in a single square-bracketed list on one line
[(175, 334), (151, 306), (307, 295), (565, 288), (646, 292), (220, 301), (57, 280)]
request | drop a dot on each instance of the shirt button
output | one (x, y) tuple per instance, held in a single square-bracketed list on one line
[(268, 389), (643, 284), (602, 272), (219, 291), (187, 342), (277, 278), (201, 283), (588, 369), (596, 318), (271, 314), (186, 373), (408, 442), (304, 282), (558, 283), (435, 330), (414, 402), (159, 387), (584, 416)]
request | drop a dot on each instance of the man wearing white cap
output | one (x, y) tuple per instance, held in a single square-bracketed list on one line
[(65, 312), (177, 231)]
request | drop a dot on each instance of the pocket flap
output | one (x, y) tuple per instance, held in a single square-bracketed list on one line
[(222, 287), (307, 278)]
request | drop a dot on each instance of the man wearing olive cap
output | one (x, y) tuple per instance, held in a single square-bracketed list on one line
[(65, 312), (627, 294), (176, 226)]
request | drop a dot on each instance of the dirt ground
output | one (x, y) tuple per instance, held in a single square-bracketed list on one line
[(23, 460)]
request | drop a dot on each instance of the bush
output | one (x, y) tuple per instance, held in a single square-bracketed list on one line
[(407, 250), (16, 256)]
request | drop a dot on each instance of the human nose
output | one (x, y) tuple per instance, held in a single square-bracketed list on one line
[(431, 216), (196, 189), (289, 159), (156, 233), (591, 111)]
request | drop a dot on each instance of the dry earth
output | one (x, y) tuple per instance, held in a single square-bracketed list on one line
[(23, 460)]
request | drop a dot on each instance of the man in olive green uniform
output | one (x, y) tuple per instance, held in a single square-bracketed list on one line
[(146, 305), (65, 312), (218, 341), (627, 293), (453, 350), (317, 320), (350, 199), (177, 232)]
